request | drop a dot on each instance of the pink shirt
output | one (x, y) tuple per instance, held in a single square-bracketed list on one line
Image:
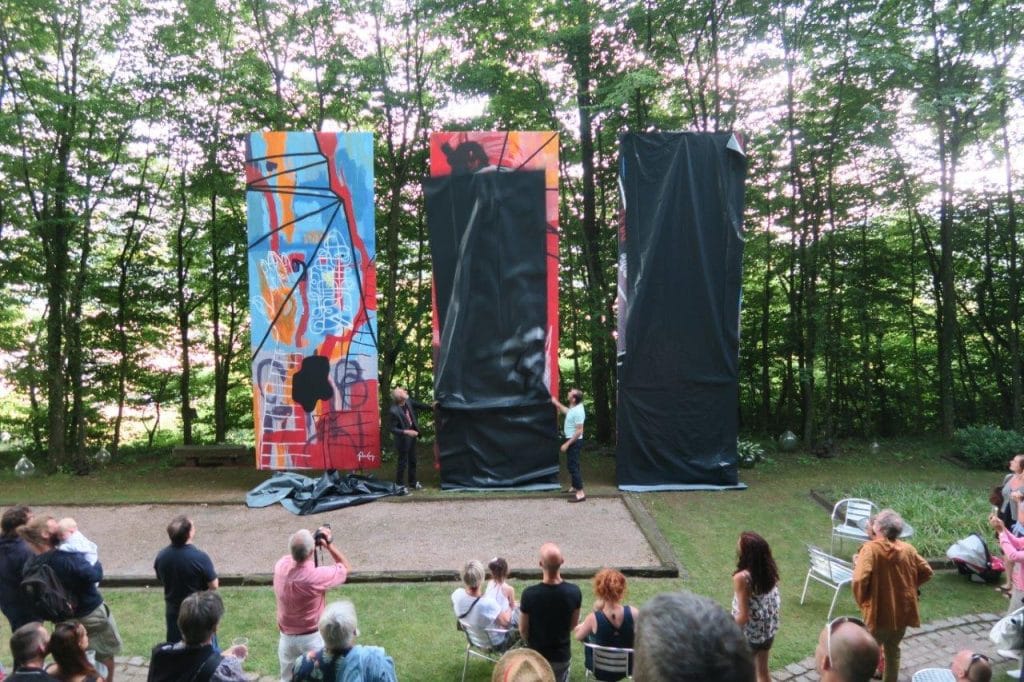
[(301, 593), (1013, 549)]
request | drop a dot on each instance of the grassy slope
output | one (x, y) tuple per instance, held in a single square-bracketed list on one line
[(413, 621)]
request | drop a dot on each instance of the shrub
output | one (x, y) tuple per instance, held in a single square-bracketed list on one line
[(749, 453), (988, 447)]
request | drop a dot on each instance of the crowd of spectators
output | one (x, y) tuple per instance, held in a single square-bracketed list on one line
[(675, 636)]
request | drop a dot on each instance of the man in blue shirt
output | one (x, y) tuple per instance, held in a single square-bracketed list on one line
[(573, 445), (182, 569)]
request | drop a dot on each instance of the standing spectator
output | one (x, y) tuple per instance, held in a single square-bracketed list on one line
[(29, 644), (194, 659), (611, 623), (406, 430), (1008, 512), (182, 569), (1013, 550), (885, 581), (573, 445), (341, 658), (300, 587), (755, 599), (79, 579), (549, 611), (14, 552), (681, 637), (846, 652), (70, 663)]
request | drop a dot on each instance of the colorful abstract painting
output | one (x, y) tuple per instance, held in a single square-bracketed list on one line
[(312, 297)]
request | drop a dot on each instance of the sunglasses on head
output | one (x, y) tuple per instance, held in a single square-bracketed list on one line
[(835, 623), (974, 659)]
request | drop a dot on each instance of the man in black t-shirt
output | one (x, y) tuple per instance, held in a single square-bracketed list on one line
[(182, 569), (549, 611)]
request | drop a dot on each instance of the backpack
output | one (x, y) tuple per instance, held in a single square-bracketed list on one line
[(44, 591)]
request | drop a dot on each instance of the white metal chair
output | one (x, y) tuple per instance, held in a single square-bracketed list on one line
[(933, 675), (849, 520), (609, 660), (480, 642), (827, 570)]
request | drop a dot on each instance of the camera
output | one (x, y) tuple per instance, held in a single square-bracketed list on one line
[(320, 537)]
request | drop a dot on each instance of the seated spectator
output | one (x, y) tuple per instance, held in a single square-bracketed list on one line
[(28, 648), (341, 658), (479, 610), (681, 637), (971, 667), (846, 652), (195, 658), (610, 623), (70, 663), (522, 665), (501, 591)]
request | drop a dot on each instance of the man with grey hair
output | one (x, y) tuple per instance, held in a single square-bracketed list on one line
[(479, 610), (686, 638), (405, 430), (341, 658), (300, 587), (886, 579), (28, 647)]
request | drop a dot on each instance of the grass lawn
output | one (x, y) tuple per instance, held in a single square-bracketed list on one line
[(414, 621)]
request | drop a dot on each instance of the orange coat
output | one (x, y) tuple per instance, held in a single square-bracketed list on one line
[(885, 581)]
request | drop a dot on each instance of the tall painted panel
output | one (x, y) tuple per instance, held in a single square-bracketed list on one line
[(492, 214), (312, 298)]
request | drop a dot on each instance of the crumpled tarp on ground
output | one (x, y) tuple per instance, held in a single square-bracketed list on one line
[(333, 490)]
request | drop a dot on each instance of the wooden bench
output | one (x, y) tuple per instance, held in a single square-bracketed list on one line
[(211, 455)]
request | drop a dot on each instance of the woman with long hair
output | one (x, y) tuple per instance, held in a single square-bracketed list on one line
[(755, 601), (67, 646)]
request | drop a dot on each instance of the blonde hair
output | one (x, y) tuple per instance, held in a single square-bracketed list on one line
[(522, 665)]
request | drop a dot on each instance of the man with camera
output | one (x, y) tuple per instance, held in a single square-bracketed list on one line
[(300, 586)]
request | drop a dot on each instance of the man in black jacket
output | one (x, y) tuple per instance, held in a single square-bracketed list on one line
[(13, 555), (406, 430)]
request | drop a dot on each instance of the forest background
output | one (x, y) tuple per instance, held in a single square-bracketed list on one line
[(882, 286)]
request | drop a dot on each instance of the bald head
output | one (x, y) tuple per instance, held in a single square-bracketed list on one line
[(550, 558), (853, 656), (969, 667)]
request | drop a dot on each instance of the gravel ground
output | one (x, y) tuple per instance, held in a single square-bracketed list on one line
[(387, 536)]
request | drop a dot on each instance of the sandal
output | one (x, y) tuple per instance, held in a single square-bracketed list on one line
[(1005, 591)]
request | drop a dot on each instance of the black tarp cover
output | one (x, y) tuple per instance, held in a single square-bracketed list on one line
[(333, 490), (680, 266), (496, 426)]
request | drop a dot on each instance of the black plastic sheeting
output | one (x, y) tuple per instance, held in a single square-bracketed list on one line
[(680, 267), (496, 427), (303, 495)]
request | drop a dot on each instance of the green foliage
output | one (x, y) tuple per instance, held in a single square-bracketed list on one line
[(939, 514), (749, 453), (988, 447)]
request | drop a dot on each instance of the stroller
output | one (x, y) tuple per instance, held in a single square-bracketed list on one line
[(973, 559)]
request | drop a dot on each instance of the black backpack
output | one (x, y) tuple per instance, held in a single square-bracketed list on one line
[(44, 591)]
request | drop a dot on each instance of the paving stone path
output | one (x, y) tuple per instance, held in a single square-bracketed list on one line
[(930, 646)]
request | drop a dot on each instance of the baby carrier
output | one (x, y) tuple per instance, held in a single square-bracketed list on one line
[(973, 559)]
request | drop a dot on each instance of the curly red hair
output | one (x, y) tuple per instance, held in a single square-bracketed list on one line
[(609, 585)]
